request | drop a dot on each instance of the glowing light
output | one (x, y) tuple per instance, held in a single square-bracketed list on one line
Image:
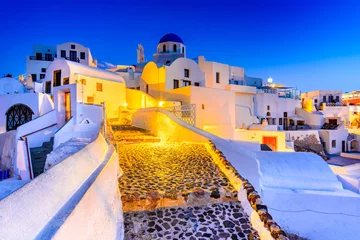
[(270, 80), (161, 104), (125, 104)]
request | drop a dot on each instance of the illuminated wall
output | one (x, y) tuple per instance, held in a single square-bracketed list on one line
[(113, 93), (136, 99), (257, 136)]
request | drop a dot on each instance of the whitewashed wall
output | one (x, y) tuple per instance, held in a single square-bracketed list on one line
[(68, 187)]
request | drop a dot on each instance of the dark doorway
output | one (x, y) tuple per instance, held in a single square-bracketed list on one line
[(48, 87), (57, 78), (333, 121), (343, 146), (17, 115)]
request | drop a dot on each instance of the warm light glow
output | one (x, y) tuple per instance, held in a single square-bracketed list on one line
[(272, 85), (161, 104), (125, 104)]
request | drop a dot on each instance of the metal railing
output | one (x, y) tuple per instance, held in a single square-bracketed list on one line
[(187, 113), (335, 104), (41, 58), (237, 82)]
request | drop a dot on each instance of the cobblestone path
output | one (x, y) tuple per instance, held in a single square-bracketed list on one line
[(175, 191)]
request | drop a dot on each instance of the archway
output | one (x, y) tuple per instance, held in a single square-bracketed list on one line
[(354, 145), (17, 115)]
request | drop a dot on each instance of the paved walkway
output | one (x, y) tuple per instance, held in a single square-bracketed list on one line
[(341, 161), (175, 191)]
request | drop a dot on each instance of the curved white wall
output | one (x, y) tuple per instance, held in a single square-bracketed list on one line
[(42, 206)]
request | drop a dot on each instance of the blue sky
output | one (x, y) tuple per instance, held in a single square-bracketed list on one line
[(307, 44)]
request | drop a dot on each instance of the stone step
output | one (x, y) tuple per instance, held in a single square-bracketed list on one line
[(212, 221)]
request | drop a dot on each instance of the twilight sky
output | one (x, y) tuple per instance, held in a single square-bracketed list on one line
[(309, 44)]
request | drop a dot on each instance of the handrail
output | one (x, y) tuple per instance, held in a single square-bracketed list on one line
[(39, 130), (31, 173)]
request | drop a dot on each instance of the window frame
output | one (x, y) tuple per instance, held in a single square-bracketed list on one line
[(82, 55), (186, 72), (99, 87)]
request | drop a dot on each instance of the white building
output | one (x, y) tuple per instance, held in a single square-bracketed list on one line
[(42, 56), (322, 96), (74, 84)]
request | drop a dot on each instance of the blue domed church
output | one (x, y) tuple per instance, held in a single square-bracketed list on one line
[(170, 48)]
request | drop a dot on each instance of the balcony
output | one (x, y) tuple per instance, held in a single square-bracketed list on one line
[(237, 82), (335, 104), (49, 59), (72, 59)]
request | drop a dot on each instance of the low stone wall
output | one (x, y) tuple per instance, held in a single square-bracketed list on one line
[(261, 220)]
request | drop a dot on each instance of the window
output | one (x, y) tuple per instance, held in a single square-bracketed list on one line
[(42, 76), (197, 84), (38, 56), (43, 69), (99, 87), (176, 83), (66, 81), (187, 83), (203, 106), (63, 53), (280, 121), (33, 76), (186, 73), (285, 114), (90, 100), (268, 107), (72, 46), (164, 48), (333, 143), (217, 77), (83, 81), (337, 99), (48, 87), (183, 49), (147, 88), (175, 48), (324, 98), (82, 55), (236, 82), (315, 100)]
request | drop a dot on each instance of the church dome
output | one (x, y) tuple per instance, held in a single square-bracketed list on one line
[(171, 37)]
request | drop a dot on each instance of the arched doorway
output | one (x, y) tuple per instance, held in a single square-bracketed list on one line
[(17, 115), (354, 145)]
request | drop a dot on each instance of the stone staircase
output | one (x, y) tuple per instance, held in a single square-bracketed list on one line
[(131, 134), (38, 156), (174, 190)]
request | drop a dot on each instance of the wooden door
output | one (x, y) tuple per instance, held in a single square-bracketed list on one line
[(271, 142), (67, 106)]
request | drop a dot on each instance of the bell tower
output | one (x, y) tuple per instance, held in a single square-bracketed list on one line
[(140, 54)]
